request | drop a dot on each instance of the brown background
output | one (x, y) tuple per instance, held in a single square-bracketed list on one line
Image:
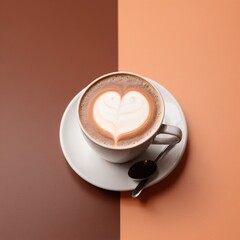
[(49, 50)]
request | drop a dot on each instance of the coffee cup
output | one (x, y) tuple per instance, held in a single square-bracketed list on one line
[(120, 114)]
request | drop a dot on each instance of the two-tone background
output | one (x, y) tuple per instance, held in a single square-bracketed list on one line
[(50, 50)]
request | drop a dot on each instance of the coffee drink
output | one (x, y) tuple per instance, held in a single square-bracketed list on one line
[(120, 110), (120, 115)]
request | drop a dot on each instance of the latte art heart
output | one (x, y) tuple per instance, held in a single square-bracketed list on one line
[(118, 114)]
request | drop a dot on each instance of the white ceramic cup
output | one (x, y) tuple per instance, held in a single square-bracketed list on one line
[(127, 153)]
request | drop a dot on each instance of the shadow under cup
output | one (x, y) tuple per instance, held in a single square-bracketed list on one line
[(120, 115)]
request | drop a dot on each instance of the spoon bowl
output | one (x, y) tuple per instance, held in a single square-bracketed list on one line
[(145, 169), (142, 170)]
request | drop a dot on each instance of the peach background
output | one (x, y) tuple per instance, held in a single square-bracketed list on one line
[(192, 48)]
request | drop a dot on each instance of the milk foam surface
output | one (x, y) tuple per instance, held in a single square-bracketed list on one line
[(120, 110), (120, 114)]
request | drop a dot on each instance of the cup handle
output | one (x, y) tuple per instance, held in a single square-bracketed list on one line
[(175, 132)]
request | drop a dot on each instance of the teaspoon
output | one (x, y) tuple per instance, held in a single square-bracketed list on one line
[(143, 170)]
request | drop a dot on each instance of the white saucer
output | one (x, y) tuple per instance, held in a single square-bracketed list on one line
[(111, 176)]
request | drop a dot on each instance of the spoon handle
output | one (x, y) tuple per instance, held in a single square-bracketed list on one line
[(136, 192)]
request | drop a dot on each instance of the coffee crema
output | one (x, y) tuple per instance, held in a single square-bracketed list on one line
[(120, 110)]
